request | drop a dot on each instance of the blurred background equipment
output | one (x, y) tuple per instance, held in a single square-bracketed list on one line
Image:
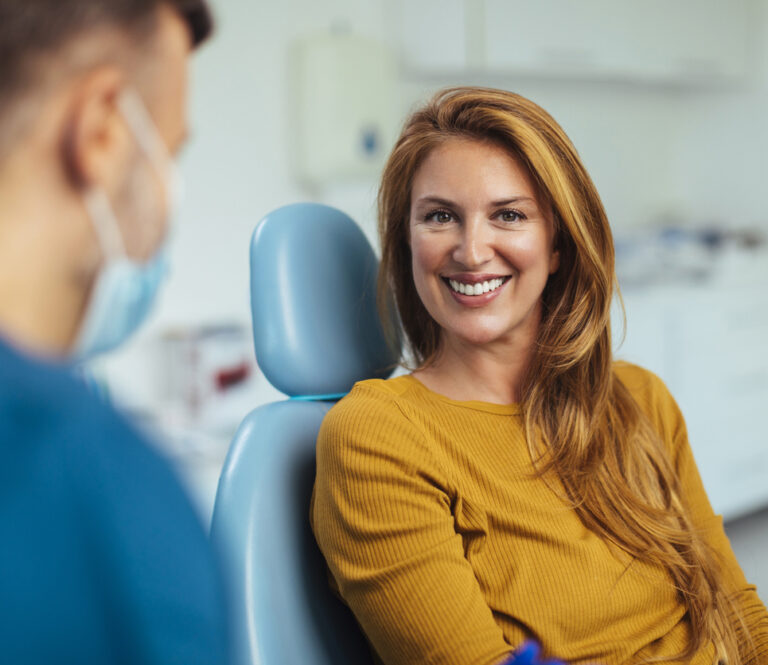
[(207, 375)]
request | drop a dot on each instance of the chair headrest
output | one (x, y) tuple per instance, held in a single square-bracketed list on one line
[(313, 301)]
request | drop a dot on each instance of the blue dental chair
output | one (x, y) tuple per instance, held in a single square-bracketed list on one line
[(316, 331)]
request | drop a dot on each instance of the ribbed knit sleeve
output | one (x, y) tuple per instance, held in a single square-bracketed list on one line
[(381, 514), (671, 424)]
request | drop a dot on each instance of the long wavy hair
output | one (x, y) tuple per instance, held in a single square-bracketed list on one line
[(580, 421)]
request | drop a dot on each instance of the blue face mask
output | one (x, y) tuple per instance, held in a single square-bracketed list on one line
[(125, 290)]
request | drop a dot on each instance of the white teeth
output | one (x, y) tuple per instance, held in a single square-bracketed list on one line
[(477, 288)]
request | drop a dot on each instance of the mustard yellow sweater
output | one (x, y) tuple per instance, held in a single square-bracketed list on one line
[(448, 551)]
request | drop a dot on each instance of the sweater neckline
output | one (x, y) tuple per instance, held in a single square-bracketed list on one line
[(477, 405)]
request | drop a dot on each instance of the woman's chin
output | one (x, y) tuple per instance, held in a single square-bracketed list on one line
[(477, 337)]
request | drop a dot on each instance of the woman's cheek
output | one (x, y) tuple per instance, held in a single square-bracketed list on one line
[(526, 251), (426, 255)]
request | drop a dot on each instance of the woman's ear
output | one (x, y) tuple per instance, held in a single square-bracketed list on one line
[(554, 261), (554, 257)]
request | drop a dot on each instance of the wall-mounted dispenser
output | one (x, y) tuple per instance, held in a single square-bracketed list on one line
[(343, 107)]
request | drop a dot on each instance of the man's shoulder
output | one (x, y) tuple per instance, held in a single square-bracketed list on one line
[(45, 401), (44, 397), (47, 415)]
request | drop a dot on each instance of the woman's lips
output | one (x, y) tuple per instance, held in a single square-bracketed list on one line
[(491, 286)]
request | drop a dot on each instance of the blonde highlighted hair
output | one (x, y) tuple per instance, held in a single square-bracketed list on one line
[(580, 420)]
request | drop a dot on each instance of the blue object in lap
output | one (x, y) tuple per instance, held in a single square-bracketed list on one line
[(530, 654)]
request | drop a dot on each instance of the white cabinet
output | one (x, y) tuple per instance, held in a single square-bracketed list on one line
[(682, 41)]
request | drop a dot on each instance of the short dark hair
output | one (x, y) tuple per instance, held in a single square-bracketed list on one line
[(31, 29), (198, 17)]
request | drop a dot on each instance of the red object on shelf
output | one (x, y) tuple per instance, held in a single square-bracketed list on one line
[(227, 378)]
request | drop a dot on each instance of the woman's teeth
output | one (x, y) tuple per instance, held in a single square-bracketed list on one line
[(476, 289)]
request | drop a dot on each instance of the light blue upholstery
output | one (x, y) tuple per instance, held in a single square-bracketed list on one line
[(313, 287), (316, 332)]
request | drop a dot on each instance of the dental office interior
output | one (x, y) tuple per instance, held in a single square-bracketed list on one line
[(666, 102)]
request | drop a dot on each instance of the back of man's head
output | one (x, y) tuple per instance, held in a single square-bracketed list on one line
[(37, 38)]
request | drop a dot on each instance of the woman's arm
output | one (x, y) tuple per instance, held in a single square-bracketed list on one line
[(382, 517)]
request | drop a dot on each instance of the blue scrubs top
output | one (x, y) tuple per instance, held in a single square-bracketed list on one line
[(102, 558)]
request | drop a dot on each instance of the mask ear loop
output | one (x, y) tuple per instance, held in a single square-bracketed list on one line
[(135, 112), (136, 115), (105, 222)]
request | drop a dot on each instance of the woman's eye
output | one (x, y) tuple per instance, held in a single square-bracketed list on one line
[(439, 216), (511, 216)]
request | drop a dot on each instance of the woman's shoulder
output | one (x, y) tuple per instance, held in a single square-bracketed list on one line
[(374, 396), (638, 380), (378, 408), (641, 382), (398, 386), (652, 395), (374, 430)]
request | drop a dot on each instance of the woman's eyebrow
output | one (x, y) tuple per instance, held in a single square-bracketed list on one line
[(495, 204), (435, 199), (514, 199)]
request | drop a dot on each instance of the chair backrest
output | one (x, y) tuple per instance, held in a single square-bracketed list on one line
[(316, 332)]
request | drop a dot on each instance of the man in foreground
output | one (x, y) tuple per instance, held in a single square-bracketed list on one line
[(102, 559)]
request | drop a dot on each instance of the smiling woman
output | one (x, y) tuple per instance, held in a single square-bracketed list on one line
[(490, 231), (518, 483)]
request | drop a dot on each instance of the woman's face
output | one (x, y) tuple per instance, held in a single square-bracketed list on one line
[(482, 244)]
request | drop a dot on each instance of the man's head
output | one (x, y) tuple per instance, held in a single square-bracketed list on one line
[(66, 67), (45, 42)]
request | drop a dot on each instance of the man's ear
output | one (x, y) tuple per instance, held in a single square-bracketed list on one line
[(96, 143)]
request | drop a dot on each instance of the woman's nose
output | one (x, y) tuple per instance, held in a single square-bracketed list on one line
[(474, 245)]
